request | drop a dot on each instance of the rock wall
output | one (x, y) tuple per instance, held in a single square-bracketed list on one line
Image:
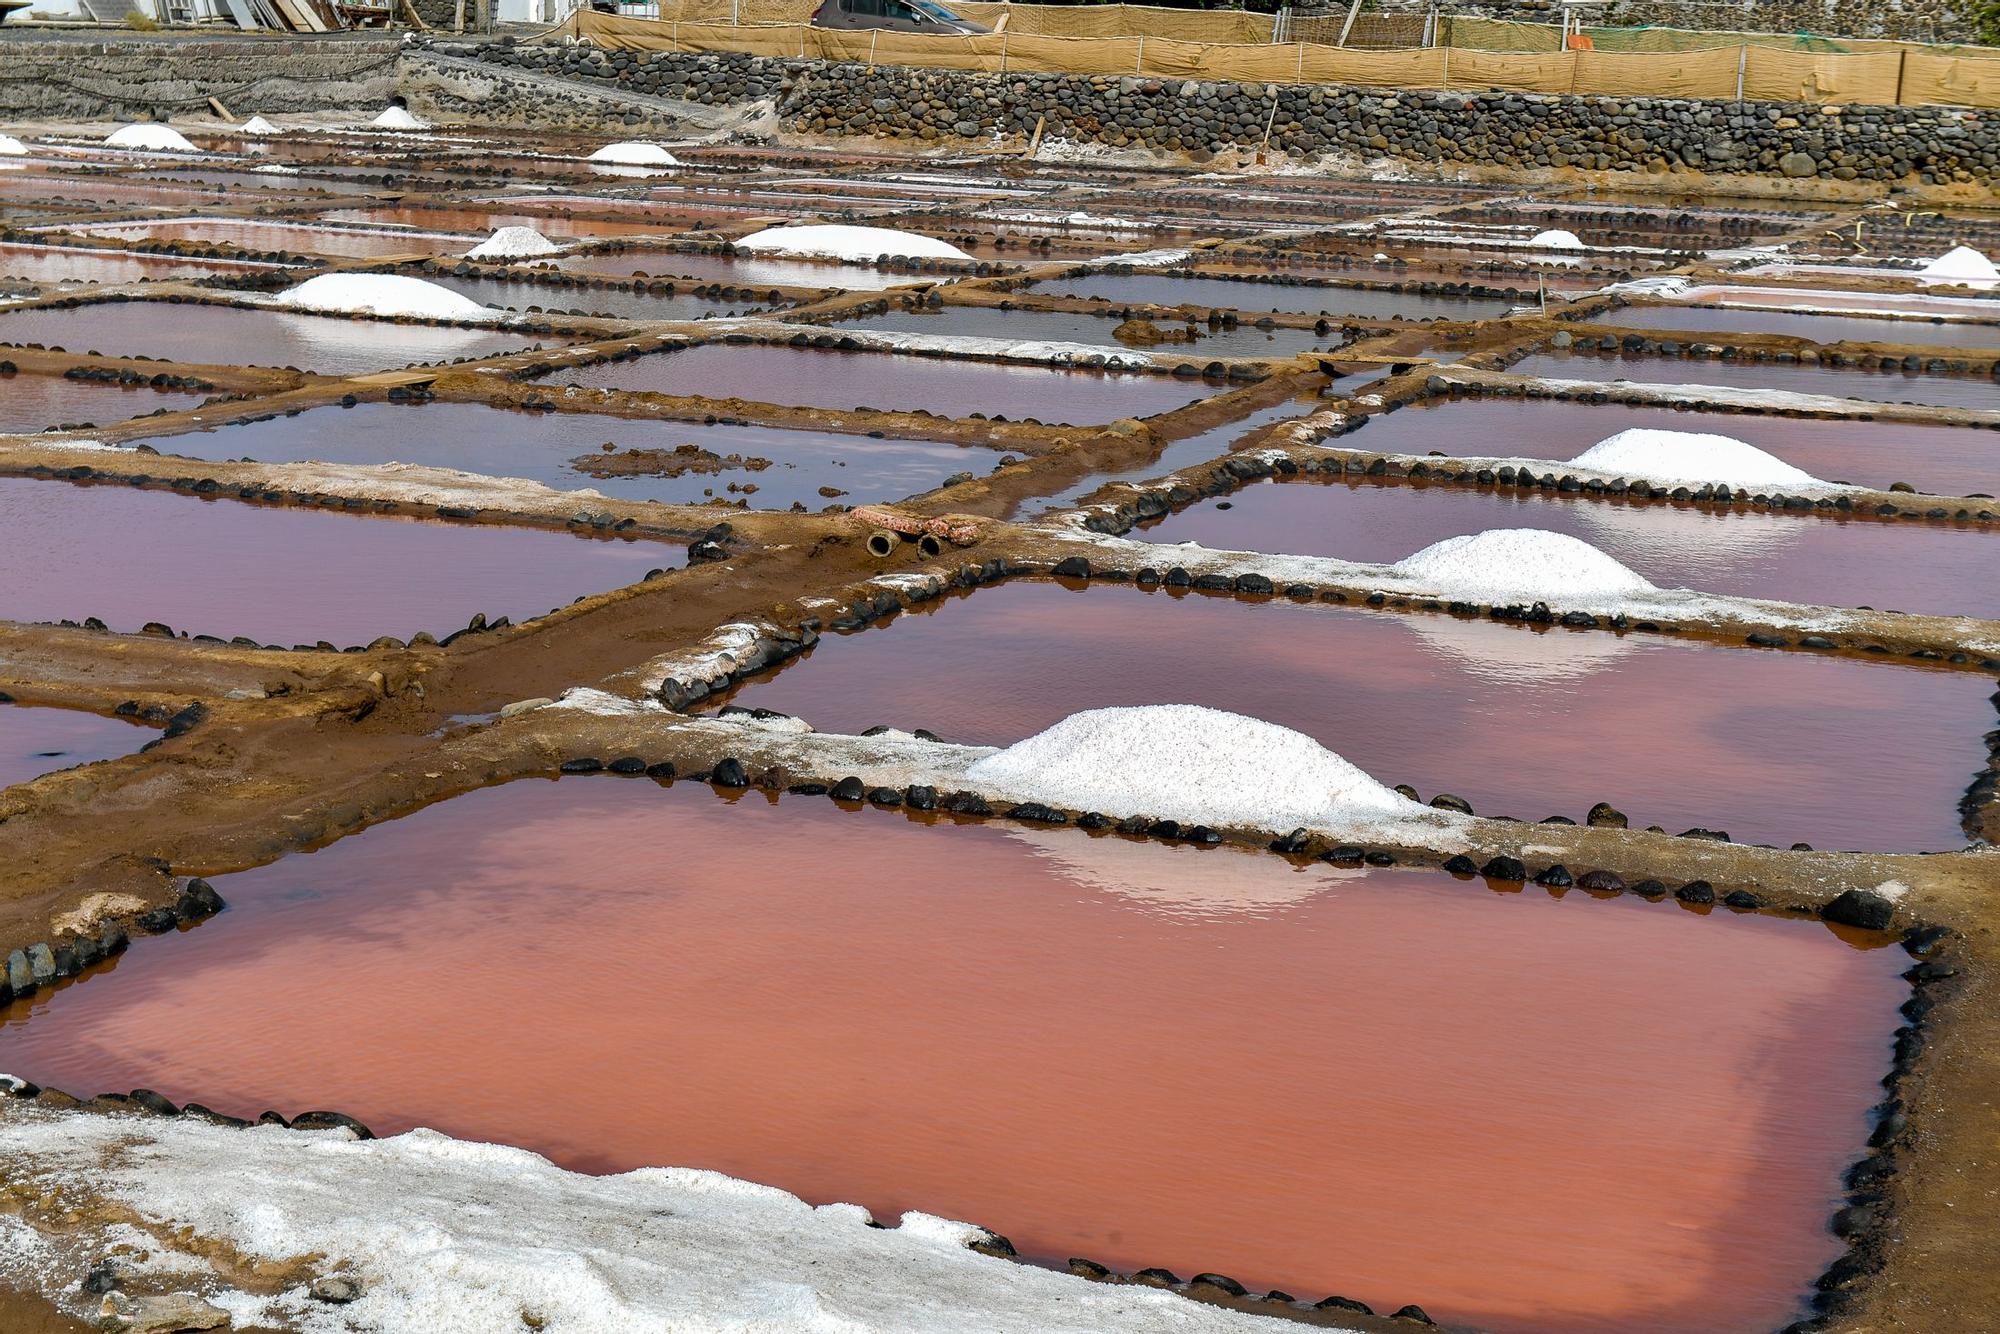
[(128, 78), (443, 87), (1515, 130), (1909, 20)]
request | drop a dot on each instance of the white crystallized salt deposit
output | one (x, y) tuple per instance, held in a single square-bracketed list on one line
[(260, 127), (636, 154), (1189, 763), (1518, 564), (1691, 457), (397, 118), (514, 243), (1556, 239), (153, 138), (380, 294), (1961, 264), (12, 147), (451, 1237), (837, 241)]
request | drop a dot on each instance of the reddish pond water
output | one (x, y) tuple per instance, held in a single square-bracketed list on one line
[(617, 303), (70, 264), (1241, 294), (34, 742), (481, 221), (283, 575), (1942, 460), (1711, 320), (475, 438), (1531, 1113), (1948, 391), (1771, 747), (742, 270), (822, 378), (209, 335), (1926, 567), (1245, 340), (33, 402), (297, 237)]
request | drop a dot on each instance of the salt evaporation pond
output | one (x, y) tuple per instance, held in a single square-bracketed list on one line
[(75, 264), (35, 402), (37, 741), (1162, 289), (1888, 386), (1941, 460), (611, 302), (1474, 1101), (282, 575), (740, 270), (304, 238), (1940, 569), (1245, 340), (824, 378), (215, 335), (1725, 320), (1771, 747), (543, 447), (487, 221)]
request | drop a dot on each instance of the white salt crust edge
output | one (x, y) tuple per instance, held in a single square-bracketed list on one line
[(454, 1237), (855, 245)]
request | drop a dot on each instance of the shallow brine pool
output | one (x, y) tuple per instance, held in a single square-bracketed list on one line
[(1245, 340), (1887, 386), (1526, 1113), (1162, 289), (38, 741), (283, 575), (1940, 569), (1940, 460), (566, 451), (1771, 747), (31, 403), (825, 378), (217, 335)]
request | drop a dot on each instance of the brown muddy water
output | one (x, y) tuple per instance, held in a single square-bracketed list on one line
[(38, 741), (35, 402), (1821, 329), (824, 378), (1527, 1112), (283, 576), (70, 264), (1944, 570), (217, 335), (543, 447), (297, 237), (1887, 386), (1941, 460), (1245, 340), (1771, 747), (1162, 289)]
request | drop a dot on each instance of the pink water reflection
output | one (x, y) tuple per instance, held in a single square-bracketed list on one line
[(1533, 1114)]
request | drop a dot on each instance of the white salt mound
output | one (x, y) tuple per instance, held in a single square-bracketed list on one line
[(259, 127), (1961, 264), (154, 138), (860, 244), (380, 294), (1190, 763), (1556, 239), (12, 147), (1518, 563), (397, 118), (635, 154), (1691, 457), (514, 243)]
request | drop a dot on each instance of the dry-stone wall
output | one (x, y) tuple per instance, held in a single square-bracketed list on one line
[(1854, 143), (1907, 20)]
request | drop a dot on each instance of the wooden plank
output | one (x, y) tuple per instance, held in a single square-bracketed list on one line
[(216, 106)]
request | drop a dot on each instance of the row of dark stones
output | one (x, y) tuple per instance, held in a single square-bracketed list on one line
[(1468, 291), (558, 278), (1503, 129), (1983, 793), (967, 268), (1216, 317), (40, 965), (1635, 344)]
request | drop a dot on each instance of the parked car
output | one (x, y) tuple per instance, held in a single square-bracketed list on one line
[(920, 16)]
